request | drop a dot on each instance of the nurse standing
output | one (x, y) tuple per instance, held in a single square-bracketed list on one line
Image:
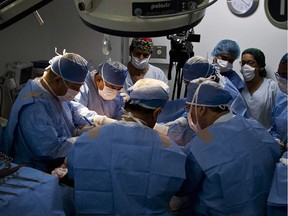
[(259, 92)]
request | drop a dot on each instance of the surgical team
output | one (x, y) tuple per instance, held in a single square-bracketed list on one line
[(119, 146)]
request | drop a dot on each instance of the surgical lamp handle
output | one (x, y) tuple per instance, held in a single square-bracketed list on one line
[(176, 14)]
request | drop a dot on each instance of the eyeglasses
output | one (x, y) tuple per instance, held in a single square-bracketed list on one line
[(284, 76), (187, 108), (250, 63)]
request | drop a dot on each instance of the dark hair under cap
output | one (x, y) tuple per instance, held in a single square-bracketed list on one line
[(258, 55)]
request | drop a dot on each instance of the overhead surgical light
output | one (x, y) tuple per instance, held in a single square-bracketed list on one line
[(145, 18)]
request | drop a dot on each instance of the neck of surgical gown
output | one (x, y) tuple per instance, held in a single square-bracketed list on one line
[(125, 169)]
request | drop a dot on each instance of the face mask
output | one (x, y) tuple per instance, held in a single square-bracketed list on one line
[(108, 93), (49, 87), (224, 66), (69, 96), (282, 83), (248, 72), (137, 63), (195, 127)]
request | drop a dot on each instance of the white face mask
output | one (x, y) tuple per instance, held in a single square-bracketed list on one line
[(108, 93), (248, 72), (137, 63), (282, 83), (224, 66), (195, 127), (69, 96)]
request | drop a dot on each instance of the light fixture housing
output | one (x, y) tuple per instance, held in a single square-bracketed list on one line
[(135, 18)]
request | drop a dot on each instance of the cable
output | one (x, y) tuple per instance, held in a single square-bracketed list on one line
[(1, 100)]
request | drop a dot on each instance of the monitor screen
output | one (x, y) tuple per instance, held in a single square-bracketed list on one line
[(25, 75), (23, 72)]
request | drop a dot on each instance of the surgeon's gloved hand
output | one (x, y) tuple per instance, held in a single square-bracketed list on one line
[(178, 203), (102, 120), (125, 96), (61, 171), (72, 140), (162, 129), (80, 130), (181, 121)]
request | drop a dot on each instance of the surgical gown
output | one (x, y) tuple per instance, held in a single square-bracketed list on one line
[(125, 168), (277, 200), (229, 168), (235, 79), (279, 118), (89, 97), (153, 72), (261, 102), (39, 130)]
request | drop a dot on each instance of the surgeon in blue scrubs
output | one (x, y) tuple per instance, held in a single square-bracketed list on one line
[(277, 200), (127, 168), (40, 129), (101, 90), (194, 68), (230, 161), (279, 112)]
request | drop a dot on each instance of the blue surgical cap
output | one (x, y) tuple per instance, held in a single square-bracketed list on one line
[(113, 72), (197, 70), (70, 66), (210, 94), (149, 93), (284, 58), (226, 47)]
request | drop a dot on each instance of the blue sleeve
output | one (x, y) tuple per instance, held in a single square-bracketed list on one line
[(120, 104), (194, 177), (43, 136), (83, 95), (70, 162), (180, 133), (78, 111), (279, 118)]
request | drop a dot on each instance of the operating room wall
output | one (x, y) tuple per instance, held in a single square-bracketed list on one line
[(27, 41)]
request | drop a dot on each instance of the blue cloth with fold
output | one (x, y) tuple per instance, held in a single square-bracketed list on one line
[(125, 168), (42, 199)]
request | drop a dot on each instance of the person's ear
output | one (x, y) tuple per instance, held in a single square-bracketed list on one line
[(156, 112), (99, 81), (58, 81), (202, 111)]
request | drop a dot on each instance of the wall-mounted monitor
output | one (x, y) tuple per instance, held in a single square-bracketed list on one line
[(23, 72)]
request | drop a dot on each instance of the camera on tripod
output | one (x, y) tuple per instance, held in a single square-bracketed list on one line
[(182, 47), (181, 50)]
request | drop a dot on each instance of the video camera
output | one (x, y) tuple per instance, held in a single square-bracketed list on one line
[(181, 50)]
